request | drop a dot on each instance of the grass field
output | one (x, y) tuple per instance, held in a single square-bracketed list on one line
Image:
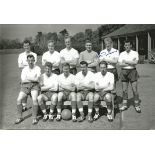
[(131, 120)]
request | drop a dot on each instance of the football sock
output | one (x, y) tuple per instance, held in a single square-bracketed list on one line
[(79, 104), (35, 111), (52, 107), (59, 105), (44, 111), (19, 110), (73, 111), (73, 104), (24, 104), (90, 105), (90, 110)]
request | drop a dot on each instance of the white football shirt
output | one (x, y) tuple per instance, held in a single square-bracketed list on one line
[(51, 57), (69, 81), (32, 73), (104, 81), (69, 55), (86, 80), (132, 55), (51, 81), (22, 59), (113, 53)]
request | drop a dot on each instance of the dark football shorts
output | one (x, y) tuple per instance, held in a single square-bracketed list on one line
[(102, 94), (48, 94), (114, 71), (28, 87), (84, 93), (129, 75), (66, 95)]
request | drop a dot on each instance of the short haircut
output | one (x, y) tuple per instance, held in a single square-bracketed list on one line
[(67, 37), (30, 56), (51, 41), (108, 39), (27, 42), (103, 62), (88, 41), (66, 65), (83, 63), (48, 64), (127, 41)]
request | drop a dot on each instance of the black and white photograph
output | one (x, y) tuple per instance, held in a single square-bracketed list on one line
[(77, 76)]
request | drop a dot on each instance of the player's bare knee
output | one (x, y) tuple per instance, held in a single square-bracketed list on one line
[(60, 97), (73, 97), (91, 97), (54, 99), (78, 97), (108, 97), (40, 98), (96, 98)]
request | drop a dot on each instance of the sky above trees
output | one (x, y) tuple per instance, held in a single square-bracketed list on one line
[(20, 31)]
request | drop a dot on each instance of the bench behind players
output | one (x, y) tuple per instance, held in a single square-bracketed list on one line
[(49, 90), (104, 84), (29, 86)]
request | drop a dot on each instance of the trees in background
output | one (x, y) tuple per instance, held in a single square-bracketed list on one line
[(39, 43), (10, 44)]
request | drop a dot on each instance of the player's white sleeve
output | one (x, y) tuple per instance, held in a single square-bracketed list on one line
[(137, 56), (77, 81), (112, 81), (41, 80), (58, 59), (81, 57), (56, 84), (117, 55), (23, 75), (102, 55), (43, 59), (120, 59), (39, 72), (76, 56), (20, 62), (35, 56)]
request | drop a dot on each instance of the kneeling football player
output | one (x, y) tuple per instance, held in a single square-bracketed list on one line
[(49, 89), (104, 84), (85, 90), (29, 86), (66, 91)]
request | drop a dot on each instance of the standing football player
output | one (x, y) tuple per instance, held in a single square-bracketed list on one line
[(128, 61), (22, 62), (69, 55), (52, 56), (90, 57)]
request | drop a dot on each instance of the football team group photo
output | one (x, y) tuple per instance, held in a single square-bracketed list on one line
[(93, 80)]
